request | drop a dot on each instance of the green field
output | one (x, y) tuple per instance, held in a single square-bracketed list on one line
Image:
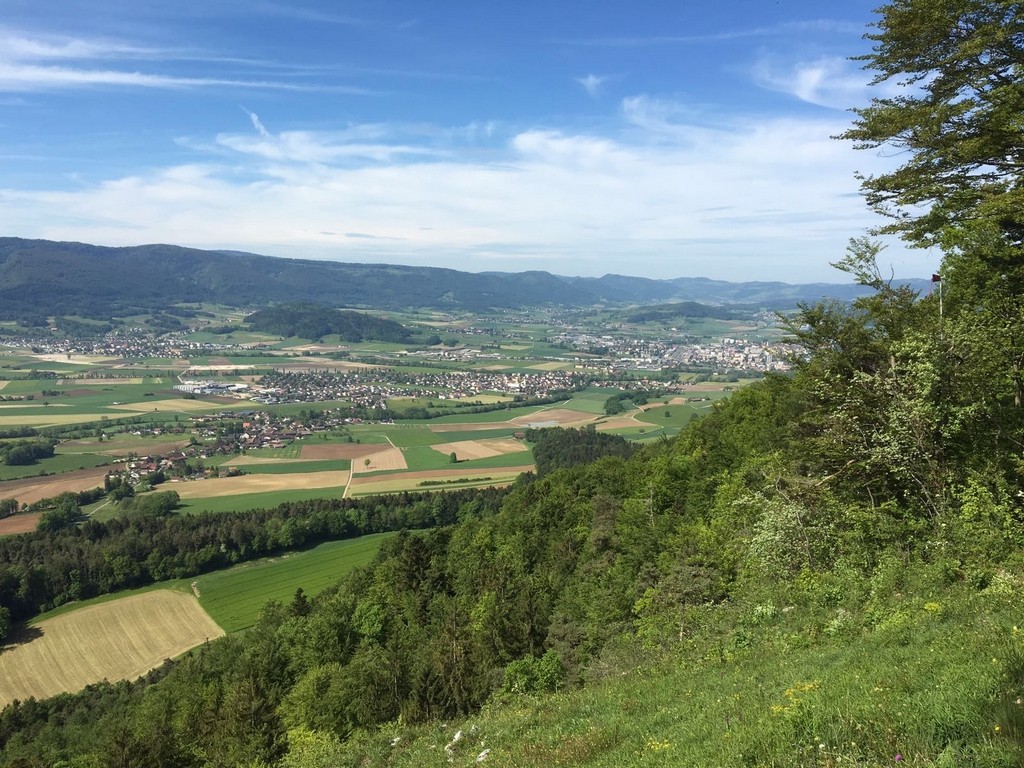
[(54, 466), (491, 417), (234, 597), (267, 500), (289, 467)]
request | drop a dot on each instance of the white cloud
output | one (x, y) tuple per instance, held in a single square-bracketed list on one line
[(592, 84), (828, 81), (752, 199)]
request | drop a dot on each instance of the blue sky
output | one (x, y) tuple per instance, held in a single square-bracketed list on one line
[(583, 138)]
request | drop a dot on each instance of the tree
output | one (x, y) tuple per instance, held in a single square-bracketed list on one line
[(955, 122), (956, 118)]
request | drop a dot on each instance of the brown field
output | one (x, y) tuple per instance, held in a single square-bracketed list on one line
[(340, 451), (77, 359), (232, 486), (118, 640), (3, 384), (389, 458), (32, 489), (174, 404), (466, 450), (551, 366), (560, 416), (409, 481), (620, 422), (19, 524), (706, 386)]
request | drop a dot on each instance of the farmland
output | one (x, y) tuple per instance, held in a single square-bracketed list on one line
[(114, 640)]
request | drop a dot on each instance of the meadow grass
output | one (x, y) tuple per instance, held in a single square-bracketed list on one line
[(408, 435), (933, 682), (61, 462), (234, 597), (267, 500), (291, 467)]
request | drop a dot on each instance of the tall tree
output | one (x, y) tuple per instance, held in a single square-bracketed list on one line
[(957, 67)]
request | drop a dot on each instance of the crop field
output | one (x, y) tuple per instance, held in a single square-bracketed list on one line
[(33, 489), (465, 450), (413, 481), (551, 417), (116, 640), (234, 597), (263, 483), (390, 458), (122, 445), (340, 451), (61, 462), (178, 404), (289, 466), (19, 524), (244, 501)]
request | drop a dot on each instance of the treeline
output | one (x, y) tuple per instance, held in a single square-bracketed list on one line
[(18, 453), (40, 571)]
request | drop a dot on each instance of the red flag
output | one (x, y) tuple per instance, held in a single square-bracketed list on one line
[(936, 279)]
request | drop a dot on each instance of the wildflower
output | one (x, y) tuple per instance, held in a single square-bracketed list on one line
[(898, 758)]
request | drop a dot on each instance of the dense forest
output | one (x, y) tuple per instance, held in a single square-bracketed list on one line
[(314, 321), (862, 517)]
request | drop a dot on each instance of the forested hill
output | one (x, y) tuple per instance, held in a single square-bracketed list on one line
[(95, 281), (313, 321)]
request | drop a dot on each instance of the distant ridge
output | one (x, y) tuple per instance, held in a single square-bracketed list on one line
[(67, 278)]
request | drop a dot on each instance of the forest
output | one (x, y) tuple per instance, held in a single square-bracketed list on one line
[(864, 507)]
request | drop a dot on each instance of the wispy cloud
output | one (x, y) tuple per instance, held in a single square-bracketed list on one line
[(592, 84), (257, 123), (39, 63), (819, 25), (828, 81), (664, 194)]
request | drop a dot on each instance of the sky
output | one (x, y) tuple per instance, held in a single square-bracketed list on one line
[(655, 139)]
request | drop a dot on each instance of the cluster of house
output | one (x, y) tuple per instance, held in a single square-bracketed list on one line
[(657, 355), (373, 388)]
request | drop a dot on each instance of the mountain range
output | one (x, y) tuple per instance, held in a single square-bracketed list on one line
[(67, 278)]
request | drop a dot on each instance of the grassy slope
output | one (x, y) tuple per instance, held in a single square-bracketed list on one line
[(930, 682)]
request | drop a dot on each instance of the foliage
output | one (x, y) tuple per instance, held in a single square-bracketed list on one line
[(313, 321)]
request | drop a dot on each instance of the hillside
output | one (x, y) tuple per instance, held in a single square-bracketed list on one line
[(312, 321), (100, 282)]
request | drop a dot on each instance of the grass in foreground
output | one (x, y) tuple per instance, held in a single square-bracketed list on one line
[(920, 682)]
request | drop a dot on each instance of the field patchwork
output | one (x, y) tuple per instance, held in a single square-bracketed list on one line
[(243, 484), (116, 640), (33, 489), (467, 450)]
